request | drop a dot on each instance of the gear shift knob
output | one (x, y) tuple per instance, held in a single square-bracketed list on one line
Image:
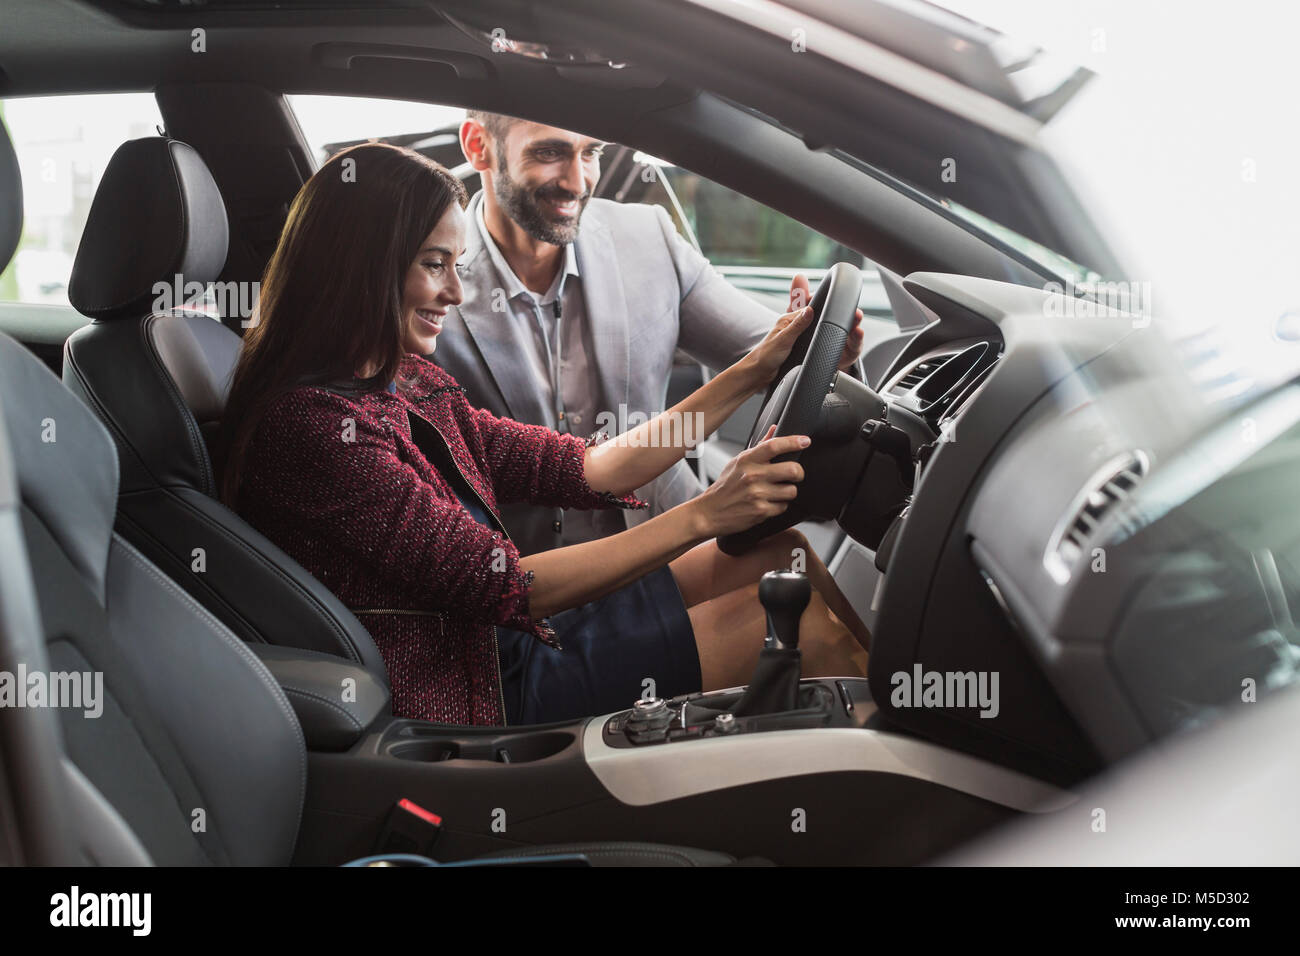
[(774, 688), (784, 595)]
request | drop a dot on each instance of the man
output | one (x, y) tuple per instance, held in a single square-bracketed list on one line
[(574, 307)]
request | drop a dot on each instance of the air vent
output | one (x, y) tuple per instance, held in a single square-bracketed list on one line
[(964, 396), (930, 387), (918, 374), (1109, 488)]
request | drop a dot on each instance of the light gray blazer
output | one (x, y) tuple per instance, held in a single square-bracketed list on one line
[(647, 292)]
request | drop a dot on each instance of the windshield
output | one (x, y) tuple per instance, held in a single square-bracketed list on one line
[(1176, 149), (1057, 264)]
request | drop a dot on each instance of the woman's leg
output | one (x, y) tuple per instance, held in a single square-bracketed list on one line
[(729, 632), (705, 573)]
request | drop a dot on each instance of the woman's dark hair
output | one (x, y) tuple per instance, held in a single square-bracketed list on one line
[(330, 301)]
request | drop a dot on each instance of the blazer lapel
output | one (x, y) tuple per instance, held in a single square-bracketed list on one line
[(496, 335), (607, 316)]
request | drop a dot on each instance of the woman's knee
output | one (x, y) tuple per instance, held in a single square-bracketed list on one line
[(829, 647), (834, 655)]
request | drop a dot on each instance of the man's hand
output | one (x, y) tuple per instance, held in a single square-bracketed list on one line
[(801, 295)]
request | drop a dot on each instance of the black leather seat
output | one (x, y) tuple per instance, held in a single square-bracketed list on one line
[(190, 725), (159, 379)]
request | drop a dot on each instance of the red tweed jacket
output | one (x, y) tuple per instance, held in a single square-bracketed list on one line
[(335, 479)]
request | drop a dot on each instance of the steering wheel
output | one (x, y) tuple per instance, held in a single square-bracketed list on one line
[(795, 397)]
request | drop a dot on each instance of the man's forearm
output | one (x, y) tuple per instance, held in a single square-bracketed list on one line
[(642, 454), (567, 577)]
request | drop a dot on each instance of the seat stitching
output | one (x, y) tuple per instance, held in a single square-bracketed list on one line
[(345, 640), (142, 738), (259, 669), (187, 417), (324, 700), (172, 791), (137, 533)]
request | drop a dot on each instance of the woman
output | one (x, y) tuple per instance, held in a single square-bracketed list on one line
[(367, 465)]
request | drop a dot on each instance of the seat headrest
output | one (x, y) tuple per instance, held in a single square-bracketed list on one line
[(11, 199), (65, 460), (157, 214)]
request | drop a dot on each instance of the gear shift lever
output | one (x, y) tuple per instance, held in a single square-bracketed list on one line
[(784, 595), (774, 688)]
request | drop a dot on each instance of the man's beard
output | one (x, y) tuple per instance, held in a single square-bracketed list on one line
[(525, 207)]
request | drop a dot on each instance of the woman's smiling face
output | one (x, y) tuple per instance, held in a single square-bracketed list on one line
[(432, 284)]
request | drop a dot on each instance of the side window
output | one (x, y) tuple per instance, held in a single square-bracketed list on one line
[(760, 249), (734, 231), (757, 248), (331, 123), (63, 144)]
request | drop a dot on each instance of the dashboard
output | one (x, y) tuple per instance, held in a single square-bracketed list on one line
[(1068, 534)]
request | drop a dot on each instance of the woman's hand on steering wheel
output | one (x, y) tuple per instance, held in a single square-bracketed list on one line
[(801, 295), (752, 487), (767, 357)]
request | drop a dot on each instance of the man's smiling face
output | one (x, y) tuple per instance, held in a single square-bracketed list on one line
[(543, 178)]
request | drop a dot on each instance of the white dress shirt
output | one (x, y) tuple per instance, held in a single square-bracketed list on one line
[(562, 355)]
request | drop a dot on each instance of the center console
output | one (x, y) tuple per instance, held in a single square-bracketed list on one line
[(776, 698), (792, 770)]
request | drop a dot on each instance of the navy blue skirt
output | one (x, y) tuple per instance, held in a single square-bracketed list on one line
[(613, 650)]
